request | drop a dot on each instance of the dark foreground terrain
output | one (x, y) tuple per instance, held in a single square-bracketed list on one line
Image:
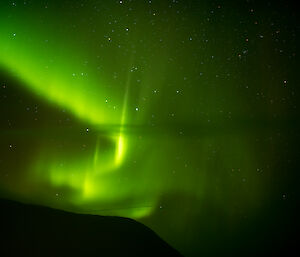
[(28, 230)]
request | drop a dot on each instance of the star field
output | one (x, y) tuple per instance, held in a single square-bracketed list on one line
[(179, 114)]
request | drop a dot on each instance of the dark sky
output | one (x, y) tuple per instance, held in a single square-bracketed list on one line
[(182, 115)]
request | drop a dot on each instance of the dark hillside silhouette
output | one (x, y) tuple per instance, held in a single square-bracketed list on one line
[(29, 230)]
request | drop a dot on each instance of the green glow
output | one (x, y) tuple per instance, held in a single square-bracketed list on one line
[(82, 95), (120, 150), (168, 114), (108, 180), (73, 86)]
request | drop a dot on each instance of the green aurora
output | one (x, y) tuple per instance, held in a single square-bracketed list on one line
[(173, 112)]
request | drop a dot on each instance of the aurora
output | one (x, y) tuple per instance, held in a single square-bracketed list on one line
[(166, 112)]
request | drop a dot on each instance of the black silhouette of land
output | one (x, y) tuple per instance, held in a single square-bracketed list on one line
[(28, 230)]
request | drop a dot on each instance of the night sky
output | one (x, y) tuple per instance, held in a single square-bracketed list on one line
[(179, 114)]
